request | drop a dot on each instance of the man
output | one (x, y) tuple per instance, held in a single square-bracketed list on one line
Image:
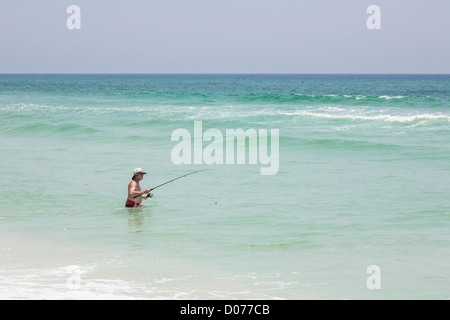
[(134, 190)]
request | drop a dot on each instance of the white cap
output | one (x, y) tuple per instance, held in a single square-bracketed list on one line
[(138, 170)]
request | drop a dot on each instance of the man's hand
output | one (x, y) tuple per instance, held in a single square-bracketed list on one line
[(146, 197)]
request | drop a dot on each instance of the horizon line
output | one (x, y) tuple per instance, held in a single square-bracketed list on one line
[(211, 73)]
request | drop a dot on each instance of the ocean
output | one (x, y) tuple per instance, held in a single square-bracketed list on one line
[(357, 208)]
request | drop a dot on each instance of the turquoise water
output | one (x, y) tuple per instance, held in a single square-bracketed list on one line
[(363, 180)]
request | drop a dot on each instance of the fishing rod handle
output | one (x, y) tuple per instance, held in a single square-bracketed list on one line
[(143, 194)]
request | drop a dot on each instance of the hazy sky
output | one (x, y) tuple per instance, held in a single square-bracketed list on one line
[(225, 36)]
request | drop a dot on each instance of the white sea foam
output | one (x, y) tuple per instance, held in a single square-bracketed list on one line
[(52, 284), (379, 117), (95, 284), (391, 97)]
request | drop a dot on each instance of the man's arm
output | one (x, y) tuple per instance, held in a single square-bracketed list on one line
[(132, 192)]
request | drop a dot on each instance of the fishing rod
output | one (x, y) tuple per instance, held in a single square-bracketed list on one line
[(185, 175)]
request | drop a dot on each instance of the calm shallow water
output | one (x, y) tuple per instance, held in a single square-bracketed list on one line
[(363, 180)]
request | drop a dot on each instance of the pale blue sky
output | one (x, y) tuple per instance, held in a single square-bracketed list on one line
[(225, 36)]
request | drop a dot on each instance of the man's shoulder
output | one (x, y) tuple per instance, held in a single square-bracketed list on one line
[(132, 183)]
